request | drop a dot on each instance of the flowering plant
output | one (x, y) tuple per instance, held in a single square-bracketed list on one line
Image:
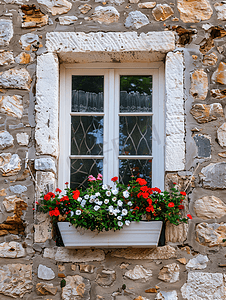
[(101, 207)]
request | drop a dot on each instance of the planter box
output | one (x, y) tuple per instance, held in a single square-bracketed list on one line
[(139, 234)]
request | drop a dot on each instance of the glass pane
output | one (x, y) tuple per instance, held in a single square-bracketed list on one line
[(135, 93), (135, 167), (87, 93), (87, 135), (135, 135), (82, 168)]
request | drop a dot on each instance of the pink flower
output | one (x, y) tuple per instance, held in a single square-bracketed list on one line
[(91, 178), (99, 177)]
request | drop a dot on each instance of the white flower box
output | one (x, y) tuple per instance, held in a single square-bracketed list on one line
[(138, 234)]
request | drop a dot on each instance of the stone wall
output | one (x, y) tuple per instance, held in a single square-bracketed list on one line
[(192, 263)]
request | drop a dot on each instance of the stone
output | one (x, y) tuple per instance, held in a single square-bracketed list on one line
[(57, 7), (86, 255), (221, 135), (165, 252), (136, 20), (209, 207), (176, 234), (23, 58), (12, 106), (15, 280), (9, 164), (15, 79), (214, 176), (18, 2), (46, 130), (6, 58), (6, 31), (107, 15), (22, 138), (45, 273), (172, 295), (134, 1), (43, 230), (202, 285), (33, 17), (67, 20), (85, 8), (2, 192), (106, 278), (183, 260), (204, 113), (18, 189), (170, 273), (45, 289), (139, 273), (49, 253), (194, 11), (45, 164), (76, 288), (6, 140), (203, 144), (12, 250), (211, 235), (147, 5), (86, 268), (218, 94), (210, 59), (197, 263), (219, 76), (46, 182), (221, 11), (28, 39), (116, 2), (199, 84), (162, 12), (9, 203)]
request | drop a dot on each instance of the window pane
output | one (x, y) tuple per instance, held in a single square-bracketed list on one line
[(82, 168), (135, 135), (87, 93), (86, 135), (135, 167), (135, 93)]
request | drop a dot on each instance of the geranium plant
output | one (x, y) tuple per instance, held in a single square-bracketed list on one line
[(101, 207)]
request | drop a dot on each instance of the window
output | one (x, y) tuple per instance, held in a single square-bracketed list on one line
[(112, 122)]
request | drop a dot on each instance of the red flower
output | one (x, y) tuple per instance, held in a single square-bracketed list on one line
[(141, 181), (171, 204), (54, 212), (181, 206), (174, 183), (183, 193), (76, 194), (181, 200), (47, 197), (144, 188), (114, 179), (189, 216), (66, 183), (33, 208), (58, 190), (145, 195), (156, 190), (149, 201), (150, 208), (52, 195), (139, 195), (137, 208), (65, 198)]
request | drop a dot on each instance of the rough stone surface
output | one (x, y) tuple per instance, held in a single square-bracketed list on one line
[(9, 203), (203, 144), (176, 234), (6, 140), (85, 8), (136, 20), (209, 207), (28, 39), (45, 164), (139, 273), (86, 268), (43, 230), (76, 288), (15, 280), (194, 11), (204, 286), (9, 164), (33, 17), (46, 131), (22, 138), (12, 105), (46, 289), (174, 143), (117, 2), (6, 30), (211, 234), (221, 135), (218, 94), (210, 59), (12, 250), (67, 20), (147, 5), (18, 189), (221, 11), (199, 84), (214, 176), (165, 252), (15, 79), (170, 273), (197, 263), (107, 15), (162, 12), (46, 182), (24, 58), (172, 295), (45, 273), (204, 113), (219, 76), (106, 278), (6, 57), (57, 7)]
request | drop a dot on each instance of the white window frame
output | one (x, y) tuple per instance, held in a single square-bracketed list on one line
[(112, 71)]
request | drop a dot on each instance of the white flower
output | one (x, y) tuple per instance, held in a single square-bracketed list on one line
[(96, 201), (78, 212), (96, 207), (91, 200), (72, 213), (106, 201), (119, 218), (115, 212), (114, 191), (114, 199), (97, 194), (120, 203), (83, 203), (92, 197), (104, 186), (79, 199), (100, 202), (120, 223), (108, 193), (126, 194), (130, 203), (86, 197), (127, 222), (111, 208), (124, 212), (111, 213), (162, 194)]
